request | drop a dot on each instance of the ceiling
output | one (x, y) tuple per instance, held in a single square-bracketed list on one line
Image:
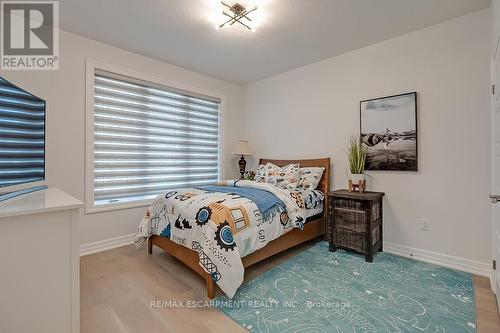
[(291, 33)]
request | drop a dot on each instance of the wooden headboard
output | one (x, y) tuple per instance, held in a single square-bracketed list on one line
[(324, 184)]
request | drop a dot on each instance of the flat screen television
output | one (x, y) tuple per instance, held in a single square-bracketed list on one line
[(22, 139)]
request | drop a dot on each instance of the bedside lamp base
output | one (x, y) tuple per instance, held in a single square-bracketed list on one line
[(243, 164)]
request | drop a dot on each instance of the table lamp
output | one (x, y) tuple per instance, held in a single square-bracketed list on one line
[(243, 149)]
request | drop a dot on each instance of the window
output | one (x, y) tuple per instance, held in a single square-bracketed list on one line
[(22, 138), (148, 138)]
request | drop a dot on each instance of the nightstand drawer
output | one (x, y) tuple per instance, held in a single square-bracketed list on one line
[(351, 204), (350, 219), (355, 240), (349, 239)]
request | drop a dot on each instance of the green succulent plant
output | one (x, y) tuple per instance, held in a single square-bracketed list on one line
[(356, 155)]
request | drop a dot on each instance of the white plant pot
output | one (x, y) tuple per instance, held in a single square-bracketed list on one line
[(357, 177)]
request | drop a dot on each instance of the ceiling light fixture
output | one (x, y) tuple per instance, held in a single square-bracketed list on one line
[(239, 14)]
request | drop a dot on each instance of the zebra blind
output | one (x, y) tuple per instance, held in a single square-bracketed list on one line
[(150, 138), (22, 136)]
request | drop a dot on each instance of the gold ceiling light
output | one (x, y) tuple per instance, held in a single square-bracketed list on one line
[(238, 13)]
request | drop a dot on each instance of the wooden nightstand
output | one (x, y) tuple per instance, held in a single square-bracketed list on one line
[(355, 221)]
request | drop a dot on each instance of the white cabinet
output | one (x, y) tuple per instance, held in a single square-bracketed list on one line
[(39, 263)]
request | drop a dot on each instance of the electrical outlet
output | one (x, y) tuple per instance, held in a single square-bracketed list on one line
[(425, 224)]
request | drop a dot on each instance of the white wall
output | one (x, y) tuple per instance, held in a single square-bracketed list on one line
[(311, 111), (64, 91)]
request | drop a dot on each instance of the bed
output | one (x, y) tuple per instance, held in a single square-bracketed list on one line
[(314, 227)]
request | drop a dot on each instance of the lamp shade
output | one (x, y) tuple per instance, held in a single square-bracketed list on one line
[(242, 148)]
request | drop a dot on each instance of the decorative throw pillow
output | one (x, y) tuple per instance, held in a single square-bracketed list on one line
[(260, 174), (310, 177), (285, 177), (312, 198)]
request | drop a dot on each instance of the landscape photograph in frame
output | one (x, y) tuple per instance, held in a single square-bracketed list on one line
[(389, 130)]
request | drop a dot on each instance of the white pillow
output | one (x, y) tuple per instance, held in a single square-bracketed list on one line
[(260, 173), (284, 177), (310, 177)]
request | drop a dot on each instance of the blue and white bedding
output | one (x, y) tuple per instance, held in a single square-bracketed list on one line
[(312, 198), (226, 222)]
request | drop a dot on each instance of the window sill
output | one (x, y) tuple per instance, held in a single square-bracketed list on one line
[(92, 209)]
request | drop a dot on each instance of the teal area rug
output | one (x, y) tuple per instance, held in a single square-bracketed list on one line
[(321, 291)]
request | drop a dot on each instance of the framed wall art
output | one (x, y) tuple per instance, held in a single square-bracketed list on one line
[(389, 129)]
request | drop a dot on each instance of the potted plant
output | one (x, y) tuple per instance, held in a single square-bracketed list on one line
[(356, 157), (250, 175)]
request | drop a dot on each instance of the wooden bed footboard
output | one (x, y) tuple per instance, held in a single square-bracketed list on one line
[(187, 256), (312, 229)]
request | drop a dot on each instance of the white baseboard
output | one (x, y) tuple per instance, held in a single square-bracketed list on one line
[(107, 244), (461, 264)]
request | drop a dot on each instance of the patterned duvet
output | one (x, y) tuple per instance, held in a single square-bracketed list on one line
[(224, 224)]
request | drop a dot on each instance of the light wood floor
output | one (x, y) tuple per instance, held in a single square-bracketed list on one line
[(117, 288)]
